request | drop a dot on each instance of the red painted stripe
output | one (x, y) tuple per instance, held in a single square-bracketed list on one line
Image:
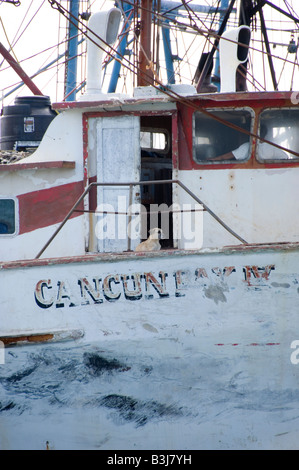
[(46, 207), (251, 344), (185, 138)]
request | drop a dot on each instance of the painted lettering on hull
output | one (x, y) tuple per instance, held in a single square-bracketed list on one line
[(136, 286)]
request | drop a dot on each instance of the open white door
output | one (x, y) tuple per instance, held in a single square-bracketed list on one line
[(118, 161)]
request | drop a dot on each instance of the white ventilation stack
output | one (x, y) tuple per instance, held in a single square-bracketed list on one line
[(104, 24), (232, 54)]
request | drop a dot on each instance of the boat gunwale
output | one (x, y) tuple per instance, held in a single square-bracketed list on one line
[(164, 253)]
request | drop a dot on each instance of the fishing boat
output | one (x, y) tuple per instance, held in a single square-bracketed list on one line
[(194, 345)]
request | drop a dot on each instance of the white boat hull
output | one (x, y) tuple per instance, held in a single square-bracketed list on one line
[(199, 353)]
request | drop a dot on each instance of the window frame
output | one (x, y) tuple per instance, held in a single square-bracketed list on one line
[(228, 161), (272, 161), (16, 214), (157, 130)]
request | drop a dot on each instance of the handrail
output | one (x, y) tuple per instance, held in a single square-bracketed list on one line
[(139, 183)]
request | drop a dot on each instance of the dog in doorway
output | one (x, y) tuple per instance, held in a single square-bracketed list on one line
[(152, 243)]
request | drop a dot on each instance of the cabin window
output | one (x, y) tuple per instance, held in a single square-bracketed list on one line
[(154, 140), (281, 127), (222, 136), (7, 216)]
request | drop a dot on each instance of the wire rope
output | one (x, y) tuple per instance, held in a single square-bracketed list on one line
[(204, 31)]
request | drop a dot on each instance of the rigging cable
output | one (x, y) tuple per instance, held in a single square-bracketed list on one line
[(175, 96), (283, 12), (126, 63), (16, 40), (180, 99), (7, 39), (195, 27), (191, 14)]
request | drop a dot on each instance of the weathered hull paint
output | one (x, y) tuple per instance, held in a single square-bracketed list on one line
[(172, 350)]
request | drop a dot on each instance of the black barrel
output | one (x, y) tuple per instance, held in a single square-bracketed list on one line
[(24, 124)]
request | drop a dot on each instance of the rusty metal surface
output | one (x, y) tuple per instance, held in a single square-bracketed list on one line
[(108, 257)]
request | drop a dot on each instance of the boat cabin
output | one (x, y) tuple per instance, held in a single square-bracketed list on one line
[(210, 169), (117, 144)]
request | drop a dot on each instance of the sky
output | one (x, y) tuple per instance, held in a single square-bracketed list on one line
[(35, 26)]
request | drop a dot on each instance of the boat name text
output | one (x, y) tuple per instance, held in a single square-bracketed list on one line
[(137, 285)]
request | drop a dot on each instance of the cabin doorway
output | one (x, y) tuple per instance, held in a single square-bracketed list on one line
[(156, 165)]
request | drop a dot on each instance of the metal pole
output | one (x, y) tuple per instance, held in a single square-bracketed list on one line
[(264, 31), (18, 69), (215, 46), (146, 77), (140, 183), (170, 6), (121, 49), (65, 219), (43, 69), (216, 76), (71, 72), (168, 54)]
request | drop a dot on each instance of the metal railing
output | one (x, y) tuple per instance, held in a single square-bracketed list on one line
[(131, 185)]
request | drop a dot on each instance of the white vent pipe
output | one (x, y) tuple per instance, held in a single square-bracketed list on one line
[(232, 54), (104, 24)]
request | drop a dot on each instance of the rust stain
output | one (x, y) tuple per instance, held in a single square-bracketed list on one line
[(9, 340)]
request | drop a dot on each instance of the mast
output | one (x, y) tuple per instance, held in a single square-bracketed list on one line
[(121, 50), (168, 51), (146, 76)]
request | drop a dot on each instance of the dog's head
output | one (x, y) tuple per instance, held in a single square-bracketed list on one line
[(156, 233)]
